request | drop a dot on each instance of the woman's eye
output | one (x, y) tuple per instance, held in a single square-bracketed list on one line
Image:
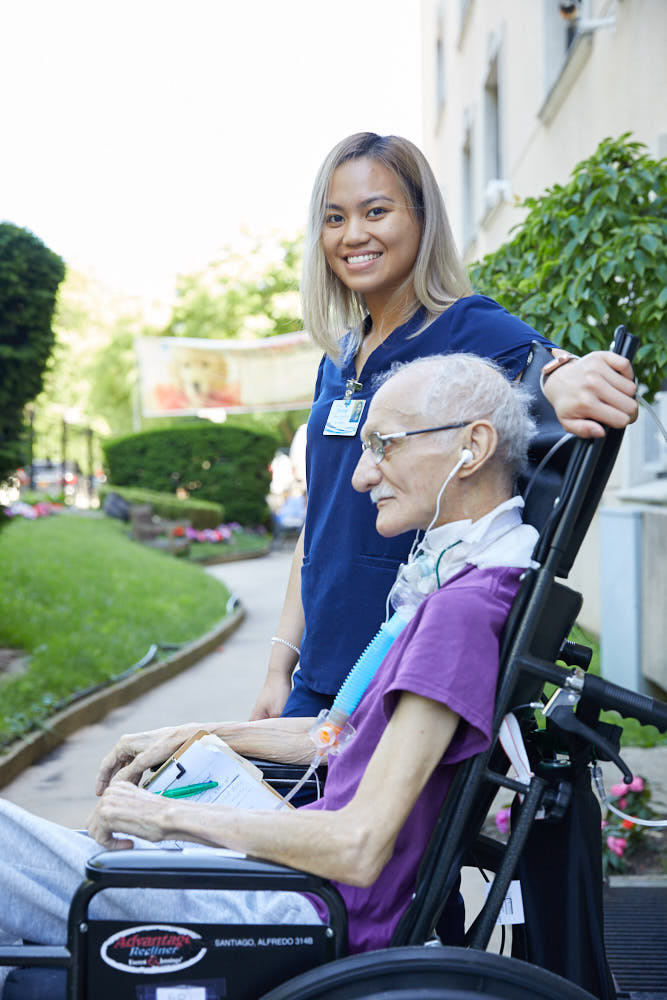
[(376, 212), (333, 219)]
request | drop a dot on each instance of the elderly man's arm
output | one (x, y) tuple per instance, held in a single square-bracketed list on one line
[(283, 740), (351, 845), (593, 391)]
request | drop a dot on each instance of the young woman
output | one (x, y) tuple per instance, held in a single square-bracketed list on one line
[(383, 283)]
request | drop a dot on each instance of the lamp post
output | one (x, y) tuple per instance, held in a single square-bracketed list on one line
[(31, 446)]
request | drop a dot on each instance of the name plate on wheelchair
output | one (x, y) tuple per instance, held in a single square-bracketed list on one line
[(511, 912), (163, 961)]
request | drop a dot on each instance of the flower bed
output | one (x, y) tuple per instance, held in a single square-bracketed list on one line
[(43, 508), (627, 845)]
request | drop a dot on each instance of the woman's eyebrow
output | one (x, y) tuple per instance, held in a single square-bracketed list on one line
[(333, 207)]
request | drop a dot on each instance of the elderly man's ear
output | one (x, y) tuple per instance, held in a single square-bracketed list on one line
[(482, 443)]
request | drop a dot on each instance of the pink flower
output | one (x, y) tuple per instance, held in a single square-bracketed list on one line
[(637, 784), (617, 845), (503, 820), (604, 824), (617, 790), (622, 803)]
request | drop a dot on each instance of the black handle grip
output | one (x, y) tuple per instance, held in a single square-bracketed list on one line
[(648, 711), (624, 343)]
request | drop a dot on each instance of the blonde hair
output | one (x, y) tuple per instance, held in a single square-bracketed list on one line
[(438, 277)]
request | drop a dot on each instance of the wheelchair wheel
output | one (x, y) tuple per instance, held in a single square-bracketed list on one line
[(416, 973)]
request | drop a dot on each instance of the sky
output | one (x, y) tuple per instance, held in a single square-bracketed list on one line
[(140, 136)]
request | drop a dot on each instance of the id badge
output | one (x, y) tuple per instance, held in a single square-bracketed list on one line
[(344, 417)]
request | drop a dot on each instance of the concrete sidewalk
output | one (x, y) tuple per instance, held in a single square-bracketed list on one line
[(223, 685)]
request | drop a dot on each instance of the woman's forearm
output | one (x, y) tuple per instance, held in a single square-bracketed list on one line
[(290, 627)]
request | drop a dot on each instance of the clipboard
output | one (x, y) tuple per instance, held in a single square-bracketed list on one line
[(205, 756)]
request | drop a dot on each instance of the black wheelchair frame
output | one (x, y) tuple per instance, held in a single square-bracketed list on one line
[(316, 965)]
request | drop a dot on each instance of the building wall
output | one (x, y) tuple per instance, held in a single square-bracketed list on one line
[(554, 104), (511, 89)]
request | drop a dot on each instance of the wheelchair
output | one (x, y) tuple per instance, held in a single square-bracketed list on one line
[(554, 848)]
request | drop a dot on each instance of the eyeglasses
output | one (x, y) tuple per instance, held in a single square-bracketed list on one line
[(377, 443)]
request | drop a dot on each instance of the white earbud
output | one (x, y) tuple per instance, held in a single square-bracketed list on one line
[(466, 456)]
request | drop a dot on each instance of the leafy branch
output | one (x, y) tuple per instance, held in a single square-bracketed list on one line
[(590, 255)]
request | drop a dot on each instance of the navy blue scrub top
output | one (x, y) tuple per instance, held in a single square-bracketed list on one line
[(348, 568)]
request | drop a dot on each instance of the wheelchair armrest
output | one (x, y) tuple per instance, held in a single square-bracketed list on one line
[(272, 769), (203, 869), (35, 955), (167, 869), (282, 777)]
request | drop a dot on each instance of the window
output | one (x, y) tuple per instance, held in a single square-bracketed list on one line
[(468, 171), (495, 188), (439, 75), (559, 35), (492, 152)]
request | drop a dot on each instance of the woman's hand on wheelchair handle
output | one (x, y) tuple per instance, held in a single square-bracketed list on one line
[(592, 393)]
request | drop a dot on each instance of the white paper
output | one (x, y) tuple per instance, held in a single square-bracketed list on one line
[(239, 784), (180, 993), (511, 912)]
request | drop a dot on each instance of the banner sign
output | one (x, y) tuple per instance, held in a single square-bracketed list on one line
[(182, 376)]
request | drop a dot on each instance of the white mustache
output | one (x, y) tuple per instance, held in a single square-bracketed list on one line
[(378, 493)]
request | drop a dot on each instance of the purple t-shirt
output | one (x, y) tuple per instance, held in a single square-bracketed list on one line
[(449, 653)]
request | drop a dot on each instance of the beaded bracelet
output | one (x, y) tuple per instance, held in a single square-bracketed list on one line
[(276, 638)]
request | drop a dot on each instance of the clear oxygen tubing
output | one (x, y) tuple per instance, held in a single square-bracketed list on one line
[(605, 800)]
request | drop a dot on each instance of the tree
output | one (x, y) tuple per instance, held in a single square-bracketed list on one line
[(252, 290), (591, 255), (30, 274)]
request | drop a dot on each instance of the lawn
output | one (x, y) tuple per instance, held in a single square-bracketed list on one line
[(85, 603)]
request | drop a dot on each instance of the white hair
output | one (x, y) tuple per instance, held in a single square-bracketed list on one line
[(466, 387)]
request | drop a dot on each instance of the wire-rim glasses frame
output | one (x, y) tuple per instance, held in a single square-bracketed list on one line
[(377, 442)]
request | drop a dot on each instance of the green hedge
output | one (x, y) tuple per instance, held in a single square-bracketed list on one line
[(29, 277), (226, 465), (201, 513)]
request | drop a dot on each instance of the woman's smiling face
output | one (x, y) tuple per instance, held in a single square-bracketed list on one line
[(370, 236)]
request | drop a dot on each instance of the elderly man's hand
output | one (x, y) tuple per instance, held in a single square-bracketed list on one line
[(128, 809), (592, 393), (136, 752)]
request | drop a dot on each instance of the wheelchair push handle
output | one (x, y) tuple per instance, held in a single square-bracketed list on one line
[(649, 711), (624, 343)]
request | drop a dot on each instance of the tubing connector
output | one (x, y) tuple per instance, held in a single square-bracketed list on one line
[(331, 732)]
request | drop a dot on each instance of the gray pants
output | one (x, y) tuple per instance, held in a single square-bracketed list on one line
[(42, 864)]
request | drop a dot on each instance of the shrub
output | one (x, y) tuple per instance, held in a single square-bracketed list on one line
[(201, 513), (29, 277), (591, 255), (226, 465)]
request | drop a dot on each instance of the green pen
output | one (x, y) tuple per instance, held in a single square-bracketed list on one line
[(181, 793)]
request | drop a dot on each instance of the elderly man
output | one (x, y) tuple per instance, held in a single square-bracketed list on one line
[(444, 439)]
